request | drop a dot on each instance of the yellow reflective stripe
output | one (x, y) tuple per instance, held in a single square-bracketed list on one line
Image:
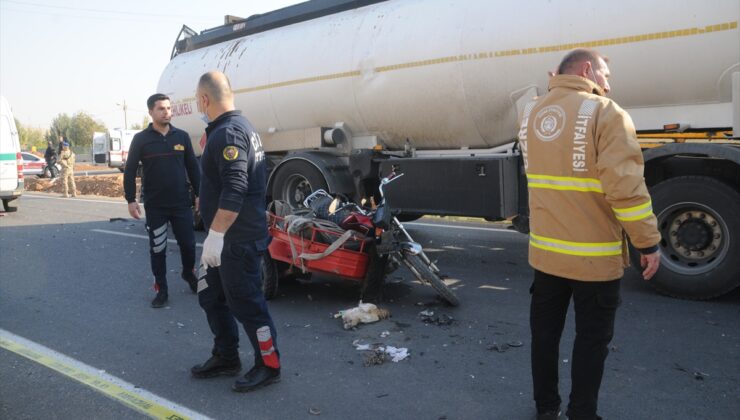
[(631, 214), (586, 249), (566, 188), (564, 183), (563, 178)]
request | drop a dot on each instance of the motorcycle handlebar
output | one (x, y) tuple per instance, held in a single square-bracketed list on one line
[(387, 180)]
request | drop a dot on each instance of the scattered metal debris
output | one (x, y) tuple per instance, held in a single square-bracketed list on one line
[(430, 317), (373, 358)]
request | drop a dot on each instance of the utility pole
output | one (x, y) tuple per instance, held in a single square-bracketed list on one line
[(125, 115)]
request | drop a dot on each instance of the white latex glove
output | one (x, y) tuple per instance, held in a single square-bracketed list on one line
[(212, 247)]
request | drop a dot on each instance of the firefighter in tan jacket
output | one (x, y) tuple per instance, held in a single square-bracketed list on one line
[(587, 197)]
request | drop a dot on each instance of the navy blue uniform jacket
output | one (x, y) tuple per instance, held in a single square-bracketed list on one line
[(168, 163), (234, 177)]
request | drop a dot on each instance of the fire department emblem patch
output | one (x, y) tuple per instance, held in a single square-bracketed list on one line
[(549, 122), (230, 152)]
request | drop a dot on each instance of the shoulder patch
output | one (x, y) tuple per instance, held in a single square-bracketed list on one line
[(230, 152)]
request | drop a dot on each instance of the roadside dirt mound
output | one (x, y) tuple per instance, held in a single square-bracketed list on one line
[(103, 185)]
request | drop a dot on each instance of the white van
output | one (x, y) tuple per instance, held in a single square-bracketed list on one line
[(120, 141), (11, 162)]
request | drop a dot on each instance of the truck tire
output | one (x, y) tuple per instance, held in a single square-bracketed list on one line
[(10, 204), (295, 180), (697, 216)]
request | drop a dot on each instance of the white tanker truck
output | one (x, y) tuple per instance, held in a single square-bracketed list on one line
[(343, 92)]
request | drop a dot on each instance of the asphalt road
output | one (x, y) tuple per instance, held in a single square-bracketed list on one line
[(78, 284)]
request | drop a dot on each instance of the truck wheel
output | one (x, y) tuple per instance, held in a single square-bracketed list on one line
[(269, 276), (10, 204), (697, 217), (296, 180)]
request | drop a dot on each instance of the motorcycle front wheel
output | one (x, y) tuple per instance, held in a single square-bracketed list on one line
[(425, 274)]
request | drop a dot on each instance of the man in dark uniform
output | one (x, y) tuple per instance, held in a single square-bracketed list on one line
[(233, 209), (50, 156), (169, 162)]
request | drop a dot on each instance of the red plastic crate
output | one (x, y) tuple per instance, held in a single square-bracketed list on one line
[(343, 262)]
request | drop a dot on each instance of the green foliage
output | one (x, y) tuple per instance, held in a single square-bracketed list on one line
[(30, 137), (82, 128), (144, 124), (59, 127), (78, 129)]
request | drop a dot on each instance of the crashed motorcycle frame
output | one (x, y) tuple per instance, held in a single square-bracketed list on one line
[(393, 240)]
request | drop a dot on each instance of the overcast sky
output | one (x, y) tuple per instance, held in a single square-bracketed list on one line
[(85, 55)]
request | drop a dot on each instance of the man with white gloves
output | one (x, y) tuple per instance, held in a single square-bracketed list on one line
[(232, 205)]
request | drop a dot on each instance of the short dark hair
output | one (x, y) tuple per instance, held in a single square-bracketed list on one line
[(154, 98), (578, 56)]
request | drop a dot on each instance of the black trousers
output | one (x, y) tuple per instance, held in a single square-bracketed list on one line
[(233, 292), (181, 220), (595, 305)]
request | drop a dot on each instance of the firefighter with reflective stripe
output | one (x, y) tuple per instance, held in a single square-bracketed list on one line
[(587, 196), (169, 171), (232, 206)]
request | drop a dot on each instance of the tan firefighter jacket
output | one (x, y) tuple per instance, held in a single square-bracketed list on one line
[(586, 187)]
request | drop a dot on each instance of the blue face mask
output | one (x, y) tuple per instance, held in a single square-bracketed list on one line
[(205, 118)]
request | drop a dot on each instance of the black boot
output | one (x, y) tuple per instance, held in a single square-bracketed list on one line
[(257, 377), (216, 366), (160, 300), (191, 280)]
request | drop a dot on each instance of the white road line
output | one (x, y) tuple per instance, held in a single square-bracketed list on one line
[(46, 197), (133, 235), (459, 227), (108, 385)]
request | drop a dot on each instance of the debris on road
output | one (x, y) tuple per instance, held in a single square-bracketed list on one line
[(314, 411), (373, 358), (364, 313), (501, 348), (698, 375), (430, 317), (396, 353), (377, 354)]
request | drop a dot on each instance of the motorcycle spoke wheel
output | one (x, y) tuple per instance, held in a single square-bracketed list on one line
[(425, 274)]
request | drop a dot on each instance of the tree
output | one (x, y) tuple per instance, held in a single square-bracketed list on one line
[(59, 127), (144, 124), (30, 137), (81, 129)]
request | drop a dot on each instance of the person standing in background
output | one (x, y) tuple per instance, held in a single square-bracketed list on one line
[(67, 160)]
